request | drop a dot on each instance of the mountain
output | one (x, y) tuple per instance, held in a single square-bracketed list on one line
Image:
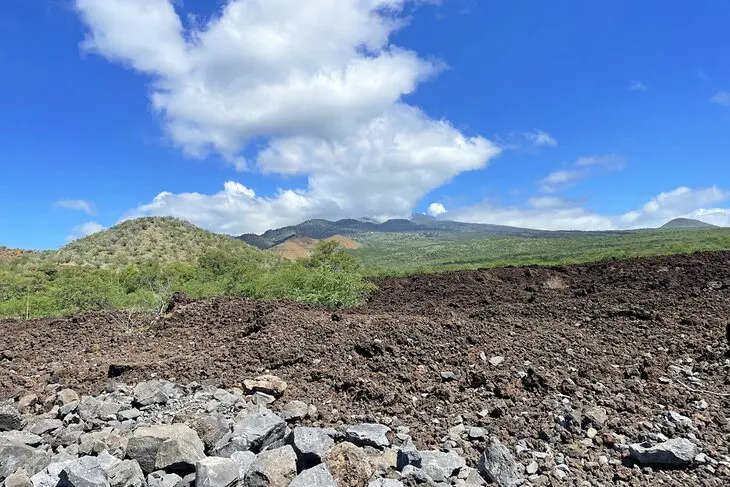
[(687, 223), (419, 223), (163, 239)]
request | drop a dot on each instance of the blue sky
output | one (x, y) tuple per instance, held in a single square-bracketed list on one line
[(244, 115)]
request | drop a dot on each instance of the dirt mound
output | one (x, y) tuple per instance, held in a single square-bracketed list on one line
[(8, 254), (346, 242), (635, 339), (295, 248)]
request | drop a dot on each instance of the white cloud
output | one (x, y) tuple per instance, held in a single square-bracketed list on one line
[(551, 213), (80, 205), (581, 169), (260, 67), (324, 95), (540, 138), (721, 98), (637, 85), (382, 171), (436, 209), (84, 230)]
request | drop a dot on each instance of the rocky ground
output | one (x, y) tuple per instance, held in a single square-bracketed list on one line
[(614, 373)]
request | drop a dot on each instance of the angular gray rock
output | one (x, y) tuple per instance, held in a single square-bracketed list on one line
[(19, 479), (596, 417), (311, 446), (498, 465), (243, 460), (17, 455), (178, 456), (294, 410), (41, 425), (260, 429), (441, 466), (10, 418), (154, 392), (162, 479), (210, 427), (128, 473), (23, 437), (84, 472), (216, 472), (272, 468), (67, 396), (318, 476), (368, 434), (408, 457), (676, 452), (418, 475), (385, 483), (145, 442)]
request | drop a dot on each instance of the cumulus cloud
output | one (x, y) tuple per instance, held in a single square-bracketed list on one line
[(581, 169), (84, 230), (721, 98), (553, 213), (324, 96), (637, 85), (436, 209), (80, 205)]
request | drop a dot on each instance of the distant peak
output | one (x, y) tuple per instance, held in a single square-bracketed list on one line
[(687, 223)]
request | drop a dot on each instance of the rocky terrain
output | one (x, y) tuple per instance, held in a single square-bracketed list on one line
[(614, 373)]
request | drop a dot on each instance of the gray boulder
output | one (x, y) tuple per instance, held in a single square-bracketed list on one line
[(260, 429), (19, 479), (368, 434), (211, 428), (498, 465), (10, 418), (349, 465), (268, 384), (318, 476), (162, 479), (408, 457), (67, 396), (126, 474), (14, 456), (178, 456), (294, 410), (154, 392), (41, 425), (84, 472), (311, 446), (676, 452), (243, 460), (385, 483), (145, 442), (441, 466), (23, 437), (216, 472), (272, 468)]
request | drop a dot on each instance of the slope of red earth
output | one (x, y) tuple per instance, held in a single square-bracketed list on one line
[(638, 337)]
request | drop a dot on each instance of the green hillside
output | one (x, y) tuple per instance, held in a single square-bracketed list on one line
[(159, 239)]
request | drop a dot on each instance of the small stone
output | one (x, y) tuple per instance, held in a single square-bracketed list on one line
[(449, 376), (674, 417), (591, 433), (145, 442), (19, 479), (216, 472), (596, 417), (268, 384), (128, 414), (532, 468), (368, 434), (260, 430), (126, 474), (476, 433), (408, 457), (386, 483), (559, 474), (154, 392), (162, 479), (496, 361)]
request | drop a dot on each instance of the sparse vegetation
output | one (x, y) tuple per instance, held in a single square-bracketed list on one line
[(139, 264)]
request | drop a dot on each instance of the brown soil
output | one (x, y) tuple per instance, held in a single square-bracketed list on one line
[(346, 242), (612, 334), (295, 248)]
